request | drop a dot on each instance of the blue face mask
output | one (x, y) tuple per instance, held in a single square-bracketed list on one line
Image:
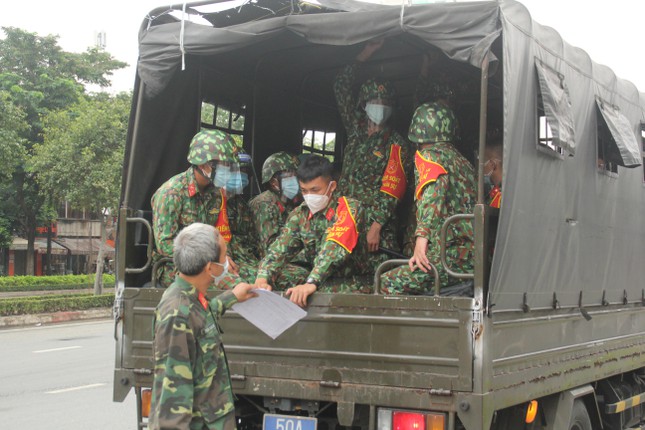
[(237, 182), (222, 176), (218, 279), (290, 187)]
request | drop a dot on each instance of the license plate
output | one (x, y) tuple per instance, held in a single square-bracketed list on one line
[(288, 422)]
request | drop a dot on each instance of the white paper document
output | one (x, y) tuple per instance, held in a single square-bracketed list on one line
[(270, 312)]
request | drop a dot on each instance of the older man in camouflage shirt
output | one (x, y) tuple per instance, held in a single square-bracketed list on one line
[(192, 196), (445, 186), (329, 231), (192, 387)]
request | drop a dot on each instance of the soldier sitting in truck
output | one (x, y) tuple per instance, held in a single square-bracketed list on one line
[(195, 195), (493, 173), (445, 186), (329, 229), (243, 247)]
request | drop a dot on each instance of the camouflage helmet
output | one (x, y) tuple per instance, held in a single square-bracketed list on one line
[(432, 122), (210, 145), (376, 89), (278, 162)]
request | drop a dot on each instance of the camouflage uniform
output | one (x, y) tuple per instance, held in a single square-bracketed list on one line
[(365, 159), (176, 204), (270, 209), (270, 214), (179, 202), (191, 387), (243, 247), (308, 233), (452, 193)]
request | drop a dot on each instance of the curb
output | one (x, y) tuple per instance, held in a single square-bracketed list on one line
[(56, 317)]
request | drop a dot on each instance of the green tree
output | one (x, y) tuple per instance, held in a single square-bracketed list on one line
[(38, 77), (13, 125), (81, 157)]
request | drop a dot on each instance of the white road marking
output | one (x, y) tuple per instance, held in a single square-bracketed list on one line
[(82, 387), (57, 349)]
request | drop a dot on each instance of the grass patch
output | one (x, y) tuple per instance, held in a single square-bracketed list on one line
[(44, 283)]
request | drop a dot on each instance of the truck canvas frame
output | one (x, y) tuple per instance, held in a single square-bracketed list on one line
[(552, 335)]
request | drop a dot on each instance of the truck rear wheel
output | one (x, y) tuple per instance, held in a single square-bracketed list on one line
[(579, 417)]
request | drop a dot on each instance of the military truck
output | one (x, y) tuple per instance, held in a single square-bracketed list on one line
[(551, 334)]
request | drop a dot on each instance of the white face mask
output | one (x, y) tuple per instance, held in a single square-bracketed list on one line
[(218, 279), (377, 113), (317, 202)]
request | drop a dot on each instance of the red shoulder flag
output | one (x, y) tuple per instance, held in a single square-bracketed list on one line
[(222, 220), (393, 182), (429, 172), (344, 231), (495, 197)]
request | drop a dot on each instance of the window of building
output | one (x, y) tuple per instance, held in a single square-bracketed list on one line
[(319, 142), (555, 118), (221, 118)]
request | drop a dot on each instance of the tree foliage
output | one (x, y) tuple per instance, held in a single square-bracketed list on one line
[(81, 156), (36, 78)]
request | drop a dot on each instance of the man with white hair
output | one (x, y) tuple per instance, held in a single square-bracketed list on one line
[(192, 388)]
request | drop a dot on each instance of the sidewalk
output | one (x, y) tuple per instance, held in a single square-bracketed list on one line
[(54, 317)]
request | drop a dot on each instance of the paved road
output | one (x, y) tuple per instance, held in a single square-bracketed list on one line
[(60, 377)]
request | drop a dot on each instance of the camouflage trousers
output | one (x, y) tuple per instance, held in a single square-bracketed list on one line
[(296, 275), (402, 280), (349, 284)]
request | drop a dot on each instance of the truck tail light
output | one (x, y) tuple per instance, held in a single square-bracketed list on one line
[(146, 399), (408, 421), (531, 411), (389, 419)]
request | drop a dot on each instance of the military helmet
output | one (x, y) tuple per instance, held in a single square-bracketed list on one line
[(243, 158), (210, 145), (432, 122), (278, 162), (376, 89)]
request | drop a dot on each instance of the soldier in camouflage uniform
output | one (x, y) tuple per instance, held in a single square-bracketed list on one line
[(445, 186), (243, 247), (190, 196), (372, 149), (192, 387), (330, 231), (271, 208)]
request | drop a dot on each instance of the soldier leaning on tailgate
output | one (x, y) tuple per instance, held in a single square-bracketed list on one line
[(192, 387), (329, 230), (445, 186), (196, 195), (375, 155)]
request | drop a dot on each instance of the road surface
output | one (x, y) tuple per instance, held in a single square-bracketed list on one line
[(60, 377)]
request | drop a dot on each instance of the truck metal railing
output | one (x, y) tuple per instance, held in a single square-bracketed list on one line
[(149, 247), (386, 265)]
